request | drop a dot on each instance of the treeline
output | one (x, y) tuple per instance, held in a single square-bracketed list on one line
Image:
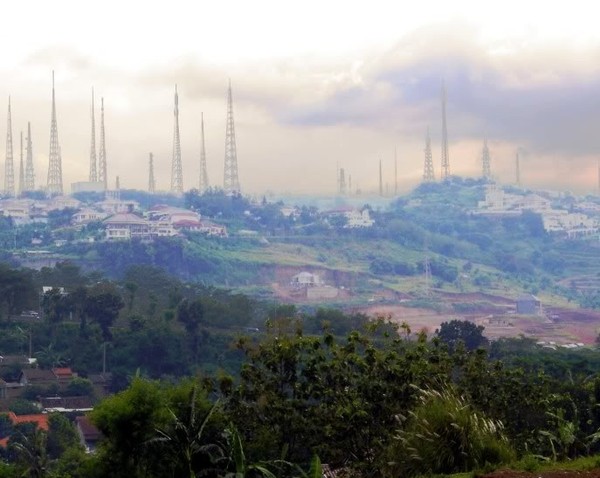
[(147, 320), (378, 402)]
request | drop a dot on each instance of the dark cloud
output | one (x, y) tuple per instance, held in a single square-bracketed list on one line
[(542, 99)]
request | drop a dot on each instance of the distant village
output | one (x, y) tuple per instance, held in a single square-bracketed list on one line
[(574, 217)]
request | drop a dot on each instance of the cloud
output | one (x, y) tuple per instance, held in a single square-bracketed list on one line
[(545, 98)]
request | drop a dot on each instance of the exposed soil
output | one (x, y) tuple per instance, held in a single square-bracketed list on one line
[(543, 474)]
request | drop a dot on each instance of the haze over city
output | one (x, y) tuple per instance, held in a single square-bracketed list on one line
[(315, 86)]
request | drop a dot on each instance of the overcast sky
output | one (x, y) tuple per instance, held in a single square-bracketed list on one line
[(316, 84)]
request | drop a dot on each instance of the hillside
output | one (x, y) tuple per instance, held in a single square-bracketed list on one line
[(364, 268)]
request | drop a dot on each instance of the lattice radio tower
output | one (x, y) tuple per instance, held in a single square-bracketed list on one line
[(395, 171), (176, 170), (342, 180), (93, 172), (518, 170), (231, 182), (445, 154), (102, 173), (203, 180), (9, 172), (151, 181), (55, 185), (21, 170), (29, 173), (485, 160), (428, 174)]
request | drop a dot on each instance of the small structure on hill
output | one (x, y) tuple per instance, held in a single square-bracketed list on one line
[(311, 286), (529, 304)]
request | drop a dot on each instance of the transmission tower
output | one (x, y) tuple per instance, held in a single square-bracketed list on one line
[(203, 171), (231, 182), (151, 181), (9, 172), (445, 154), (102, 173), (93, 172), (485, 160), (176, 170), (395, 171), (427, 271), (29, 174), (380, 179), (342, 186), (518, 170), (21, 170), (428, 174), (55, 185)]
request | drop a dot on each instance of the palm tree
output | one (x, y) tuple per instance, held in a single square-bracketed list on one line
[(184, 440), (31, 451)]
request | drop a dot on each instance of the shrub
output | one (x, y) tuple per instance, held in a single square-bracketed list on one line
[(444, 434)]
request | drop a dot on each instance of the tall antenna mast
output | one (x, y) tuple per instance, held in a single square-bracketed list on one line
[(9, 172), (55, 184), (102, 173), (29, 174), (93, 172), (380, 179), (176, 169), (203, 170), (342, 190), (485, 160), (151, 182), (21, 170), (518, 169), (231, 182), (428, 174), (445, 154), (395, 171)]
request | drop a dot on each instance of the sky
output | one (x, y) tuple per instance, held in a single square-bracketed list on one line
[(317, 86)]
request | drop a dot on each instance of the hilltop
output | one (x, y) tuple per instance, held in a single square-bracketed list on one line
[(484, 246)]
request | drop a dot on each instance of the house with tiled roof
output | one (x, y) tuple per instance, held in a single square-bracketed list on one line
[(89, 435), (66, 404), (126, 226), (39, 419)]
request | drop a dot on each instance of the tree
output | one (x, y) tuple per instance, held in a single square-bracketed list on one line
[(183, 440), (455, 331), (55, 305), (128, 420), (103, 304), (31, 452), (61, 435)]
